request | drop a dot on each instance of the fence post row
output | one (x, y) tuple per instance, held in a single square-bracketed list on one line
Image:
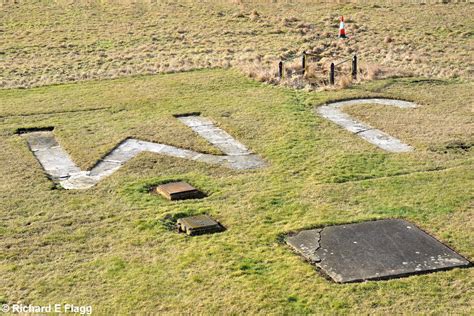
[(331, 74), (280, 69), (354, 67)]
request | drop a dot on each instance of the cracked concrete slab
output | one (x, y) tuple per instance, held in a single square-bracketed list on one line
[(332, 112), (60, 167), (374, 250), (306, 243)]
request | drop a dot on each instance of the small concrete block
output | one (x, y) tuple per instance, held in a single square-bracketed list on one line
[(198, 225), (179, 191), (374, 250)]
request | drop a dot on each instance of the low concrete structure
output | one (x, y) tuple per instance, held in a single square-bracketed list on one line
[(198, 225), (179, 191), (374, 250)]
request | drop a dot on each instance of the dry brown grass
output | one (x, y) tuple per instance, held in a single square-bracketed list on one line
[(371, 72), (46, 43), (345, 81)]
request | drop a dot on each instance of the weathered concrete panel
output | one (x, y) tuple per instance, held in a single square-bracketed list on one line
[(374, 250)]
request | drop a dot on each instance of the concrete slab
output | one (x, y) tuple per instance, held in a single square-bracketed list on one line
[(40, 140), (391, 102), (244, 162), (59, 166), (125, 151), (105, 168), (385, 141), (332, 112), (342, 119), (79, 181), (374, 250), (177, 152), (232, 148), (180, 190), (306, 243), (198, 225), (195, 120), (212, 159), (54, 160), (214, 135), (148, 146)]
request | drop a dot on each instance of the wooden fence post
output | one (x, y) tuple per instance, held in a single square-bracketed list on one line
[(354, 67), (280, 70), (303, 62), (331, 74)]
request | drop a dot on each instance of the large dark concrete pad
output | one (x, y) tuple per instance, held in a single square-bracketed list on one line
[(374, 250)]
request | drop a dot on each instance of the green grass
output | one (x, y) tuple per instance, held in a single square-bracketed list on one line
[(111, 246)]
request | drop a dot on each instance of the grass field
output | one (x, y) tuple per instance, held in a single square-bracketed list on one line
[(110, 247), (45, 42), (99, 72)]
